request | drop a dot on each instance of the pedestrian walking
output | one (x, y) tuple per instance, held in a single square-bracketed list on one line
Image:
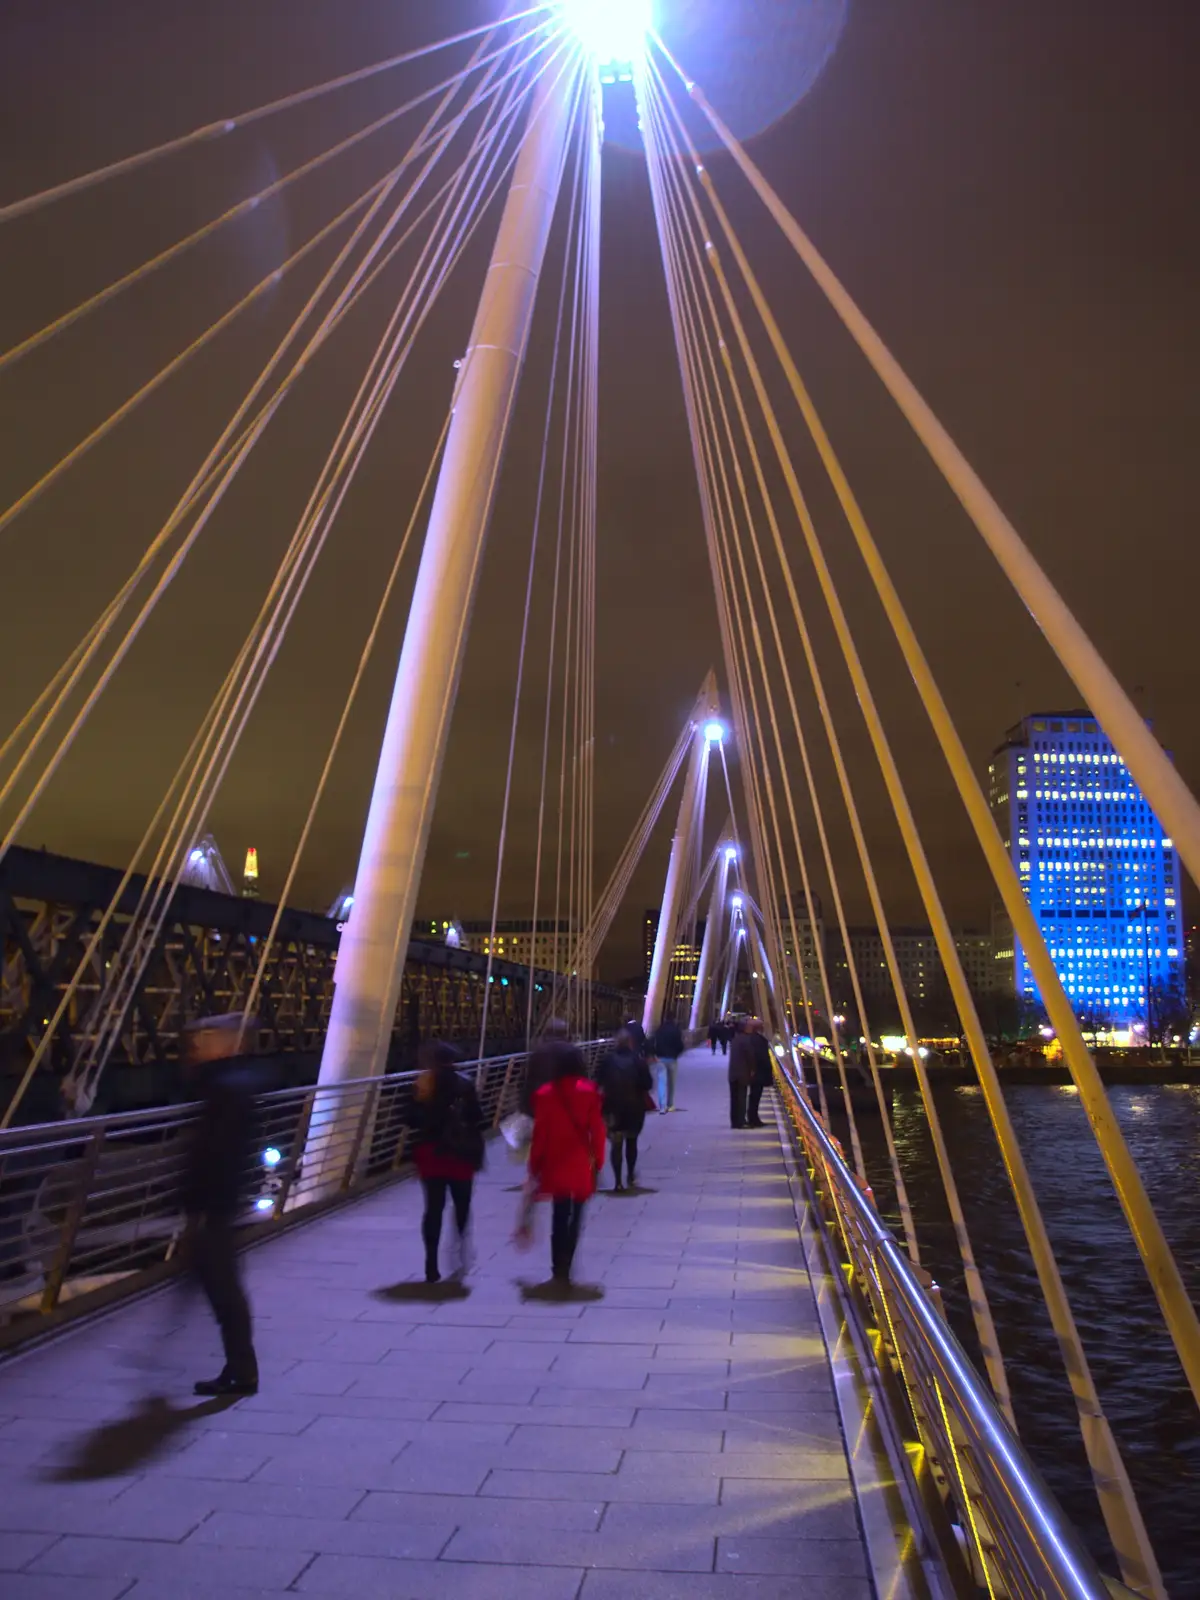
[(623, 1079), (714, 1036), (216, 1178), (741, 1075), (447, 1122), (764, 1073), (667, 1047), (637, 1033), (725, 1032), (566, 1155)]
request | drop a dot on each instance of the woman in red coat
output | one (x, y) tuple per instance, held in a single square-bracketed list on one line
[(567, 1152)]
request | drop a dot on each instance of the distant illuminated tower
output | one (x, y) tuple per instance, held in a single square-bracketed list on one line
[(250, 875), (1096, 868)]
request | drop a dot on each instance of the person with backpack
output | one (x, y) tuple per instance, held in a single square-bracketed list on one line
[(668, 1047), (566, 1155), (623, 1079), (447, 1122)]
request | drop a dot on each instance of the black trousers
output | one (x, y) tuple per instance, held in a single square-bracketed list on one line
[(436, 1190), (215, 1264), (737, 1105), (756, 1094), (626, 1142), (564, 1235)]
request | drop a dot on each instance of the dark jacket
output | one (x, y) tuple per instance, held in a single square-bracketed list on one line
[(448, 1130), (742, 1063), (764, 1066), (668, 1041), (219, 1167), (624, 1081), (637, 1033)]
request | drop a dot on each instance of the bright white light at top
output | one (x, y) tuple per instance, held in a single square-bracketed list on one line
[(730, 853), (736, 902), (714, 732), (610, 30)]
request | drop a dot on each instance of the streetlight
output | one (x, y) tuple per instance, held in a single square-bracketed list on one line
[(610, 30), (714, 732)]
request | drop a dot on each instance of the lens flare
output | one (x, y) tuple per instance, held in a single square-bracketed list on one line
[(610, 30)]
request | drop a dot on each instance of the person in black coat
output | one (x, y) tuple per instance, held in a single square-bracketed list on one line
[(742, 1066), (218, 1171), (764, 1073), (623, 1079), (448, 1123)]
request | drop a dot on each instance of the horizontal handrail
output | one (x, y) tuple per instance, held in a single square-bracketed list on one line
[(1018, 1542)]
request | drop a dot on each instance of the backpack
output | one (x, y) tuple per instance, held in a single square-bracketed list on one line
[(461, 1138)]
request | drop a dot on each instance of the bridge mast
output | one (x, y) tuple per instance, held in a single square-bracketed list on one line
[(374, 945), (710, 949), (691, 815)]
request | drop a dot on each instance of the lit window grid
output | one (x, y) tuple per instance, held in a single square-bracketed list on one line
[(1097, 870)]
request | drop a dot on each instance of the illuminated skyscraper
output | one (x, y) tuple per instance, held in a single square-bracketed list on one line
[(1097, 870), (250, 875)]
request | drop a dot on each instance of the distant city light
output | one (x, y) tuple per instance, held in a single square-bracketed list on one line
[(610, 30), (714, 732), (778, 1049), (197, 855)]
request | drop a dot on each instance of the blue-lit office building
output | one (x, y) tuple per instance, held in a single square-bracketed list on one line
[(1099, 874)]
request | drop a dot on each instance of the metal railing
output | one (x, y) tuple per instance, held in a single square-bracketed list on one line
[(991, 1501), (90, 1209)]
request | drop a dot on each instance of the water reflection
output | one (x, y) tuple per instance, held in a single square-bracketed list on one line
[(1136, 1370)]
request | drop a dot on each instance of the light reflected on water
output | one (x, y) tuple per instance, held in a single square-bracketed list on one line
[(1134, 1364)]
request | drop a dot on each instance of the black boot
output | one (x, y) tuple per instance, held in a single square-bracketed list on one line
[(229, 1383)]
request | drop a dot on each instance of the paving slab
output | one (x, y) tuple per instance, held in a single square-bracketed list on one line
[(672, 1438)]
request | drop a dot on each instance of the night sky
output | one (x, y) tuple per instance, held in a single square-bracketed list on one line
[(1008, 191)]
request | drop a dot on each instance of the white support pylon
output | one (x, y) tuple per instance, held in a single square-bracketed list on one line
[(375, 942), (713, 928), (682, 849)]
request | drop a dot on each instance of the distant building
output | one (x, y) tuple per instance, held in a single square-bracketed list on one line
[(548, 945), (685, 962), (801, 953), (250, 875), (1098, 873), (922, 973)]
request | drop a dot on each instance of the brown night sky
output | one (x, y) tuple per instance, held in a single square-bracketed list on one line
[(1009, 192)]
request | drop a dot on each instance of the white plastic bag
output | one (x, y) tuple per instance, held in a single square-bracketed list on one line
[(517, 1133)]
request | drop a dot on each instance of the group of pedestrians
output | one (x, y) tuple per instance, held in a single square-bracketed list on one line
[(575, 1122), (720, 1033)]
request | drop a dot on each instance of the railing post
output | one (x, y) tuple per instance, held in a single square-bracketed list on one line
[(366, 1119), (299, 1140), (504, 1088), (56, 1277)]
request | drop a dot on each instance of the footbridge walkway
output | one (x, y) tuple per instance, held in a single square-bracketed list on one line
[(695, 1421)]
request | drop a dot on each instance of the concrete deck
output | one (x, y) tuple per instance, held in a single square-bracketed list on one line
[(675, 1440)]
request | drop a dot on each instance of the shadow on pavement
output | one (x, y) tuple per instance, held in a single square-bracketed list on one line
[(561, 1293), (402, 1293), (117, 1448)]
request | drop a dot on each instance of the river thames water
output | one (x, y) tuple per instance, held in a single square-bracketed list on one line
[(1141, 1385)]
